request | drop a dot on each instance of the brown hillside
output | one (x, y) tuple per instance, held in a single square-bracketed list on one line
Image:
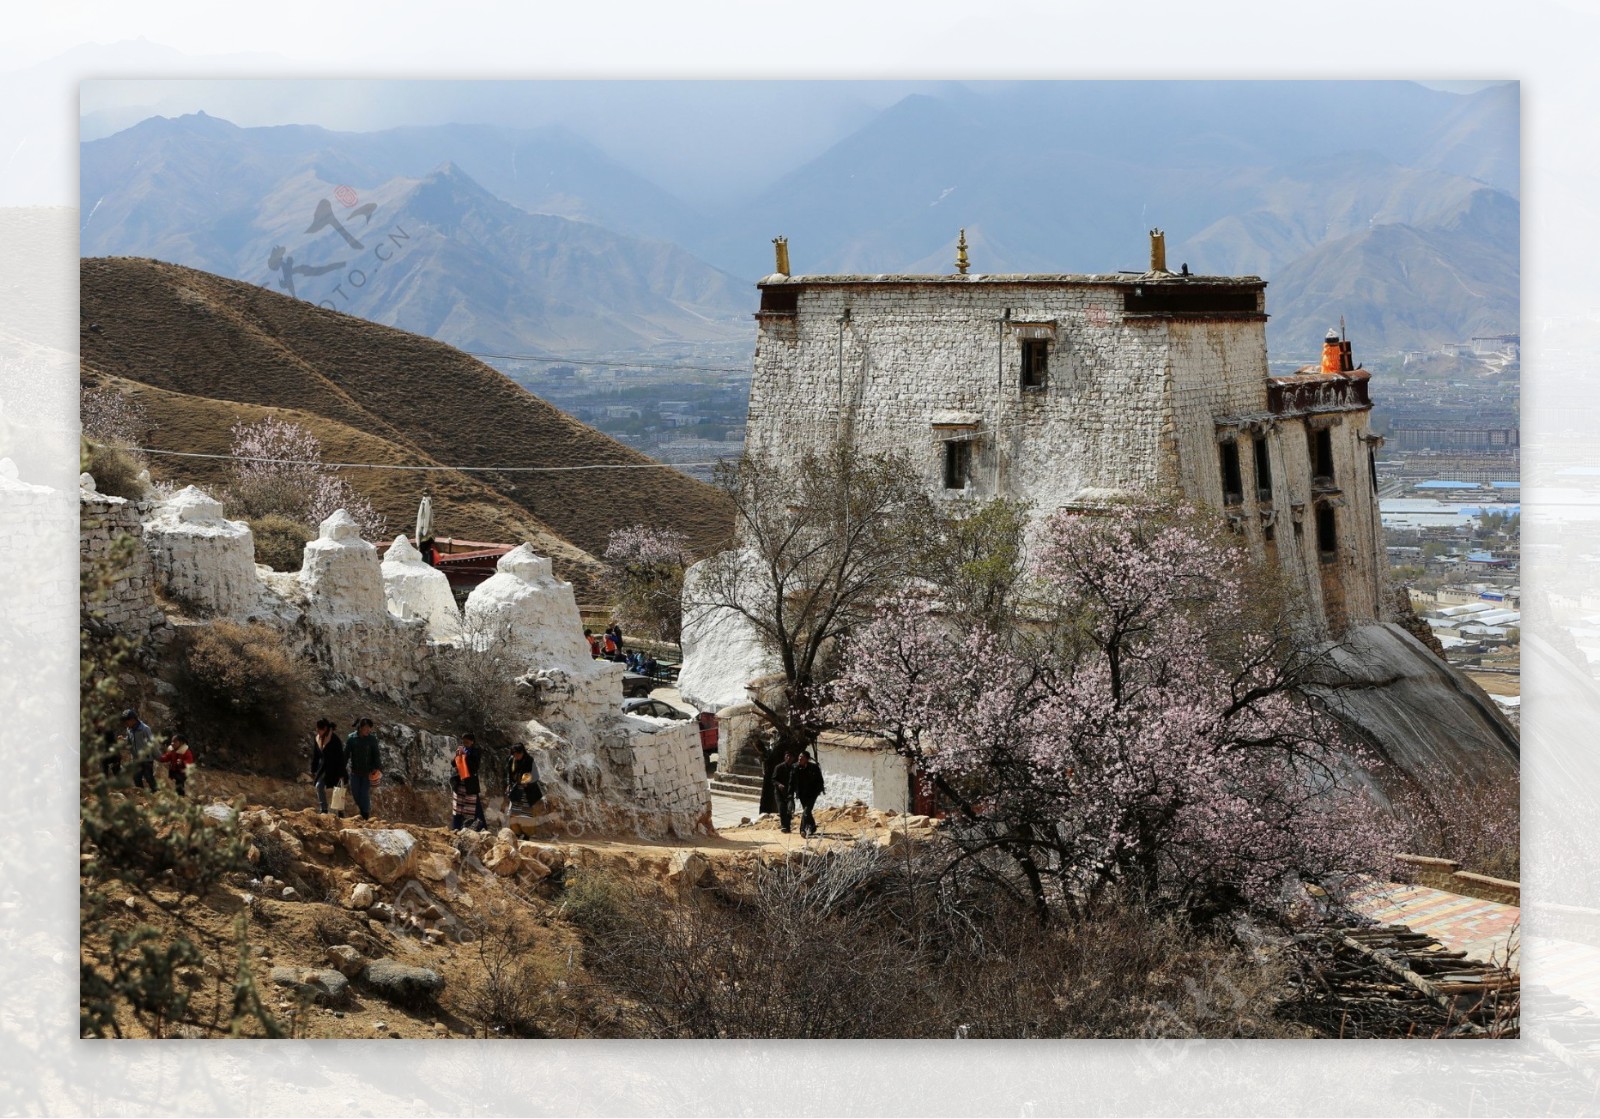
[(203, 336), (201, 425)]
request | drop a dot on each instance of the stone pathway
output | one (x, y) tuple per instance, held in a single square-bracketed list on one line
[(1484, 930)]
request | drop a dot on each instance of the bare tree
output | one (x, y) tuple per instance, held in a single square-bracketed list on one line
[(818, 546)]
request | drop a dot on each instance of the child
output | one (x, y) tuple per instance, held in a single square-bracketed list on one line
[(178, 758)]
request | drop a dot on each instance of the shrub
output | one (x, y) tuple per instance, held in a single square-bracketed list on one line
[(280, 541), (116, 470), (1473, 820), (244, 691), (515, 989)]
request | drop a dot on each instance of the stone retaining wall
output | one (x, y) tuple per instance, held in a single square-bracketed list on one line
[(1447, 875)]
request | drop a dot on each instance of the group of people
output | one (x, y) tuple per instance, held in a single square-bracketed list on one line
[(607, 645), (466, 789), (798, 778), (136, 744), (353, 763)]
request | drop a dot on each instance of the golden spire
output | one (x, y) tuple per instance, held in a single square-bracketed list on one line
[(962, 263), (781, 245), (1158, 251)]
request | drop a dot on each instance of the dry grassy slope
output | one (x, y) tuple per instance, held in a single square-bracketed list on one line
[(201, 425), (204, 336)]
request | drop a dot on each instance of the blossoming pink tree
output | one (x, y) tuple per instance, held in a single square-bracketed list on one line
[(645, 568), (1142, 729), (279, 469)]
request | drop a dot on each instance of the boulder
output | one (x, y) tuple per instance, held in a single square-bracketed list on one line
[(362, 895), (218, 815), (434, 868), (347, 960), (502, 860), (534, 869), (551, 857), (322, 985), (387, 854), (400, 983), (688, 870)]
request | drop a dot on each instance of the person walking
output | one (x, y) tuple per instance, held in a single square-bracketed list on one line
[(522, 788), (466, 801), (141, 748), (328, 767), (177, 758), (808, 786), (366, 765), (783, 788)]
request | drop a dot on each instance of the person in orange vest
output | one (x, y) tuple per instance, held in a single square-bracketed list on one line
[(466, 801)]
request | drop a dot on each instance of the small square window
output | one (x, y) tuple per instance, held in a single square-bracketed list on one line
[(1035, 363), (957, 463)]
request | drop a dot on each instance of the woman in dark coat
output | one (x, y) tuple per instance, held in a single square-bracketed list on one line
[(328, 766)]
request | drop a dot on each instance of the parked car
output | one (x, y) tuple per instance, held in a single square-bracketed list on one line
[(654, 708), (636, 685)]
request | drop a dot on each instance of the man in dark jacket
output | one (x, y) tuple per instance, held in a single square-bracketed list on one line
[(361, 754), (783, 789), (328, 768), (807, 784), (141, 742), (466, 801)]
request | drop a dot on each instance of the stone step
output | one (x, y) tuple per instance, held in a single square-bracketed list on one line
[(736, 785)]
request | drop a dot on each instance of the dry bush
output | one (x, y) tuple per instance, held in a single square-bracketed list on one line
[(476, 682), (243, 693), (516, 992), (280, 541), (860, 944), (116, 470)]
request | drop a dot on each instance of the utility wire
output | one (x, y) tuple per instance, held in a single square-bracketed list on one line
[(394, 466), (613, 364)]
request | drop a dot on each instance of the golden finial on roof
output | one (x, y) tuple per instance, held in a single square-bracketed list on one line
[(962, 263), (1158, 251), (781, 245)]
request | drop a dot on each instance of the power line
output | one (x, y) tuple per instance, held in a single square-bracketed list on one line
[(613, 364), (395, 466)]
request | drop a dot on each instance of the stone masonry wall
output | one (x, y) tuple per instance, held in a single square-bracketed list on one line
[(129, 606)]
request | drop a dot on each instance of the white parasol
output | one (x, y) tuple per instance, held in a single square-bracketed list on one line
[(424, 520)]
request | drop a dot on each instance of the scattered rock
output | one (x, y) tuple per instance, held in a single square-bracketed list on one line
[(533, 868), (502, 860), (346, 959), (248, 899), (290, 894), (381, 911), (434, 868), (506, 836), (387, 854), (688, 870), (211, 965), (131, 902), (218, 814), (362, 895), (401, 983)]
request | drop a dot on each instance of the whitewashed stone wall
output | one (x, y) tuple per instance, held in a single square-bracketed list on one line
[(414, 589), (526, 604), (722, 651), (204, 560), (341, 575), (858, 768)]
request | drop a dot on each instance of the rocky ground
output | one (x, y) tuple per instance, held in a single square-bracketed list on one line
[(390, 927)]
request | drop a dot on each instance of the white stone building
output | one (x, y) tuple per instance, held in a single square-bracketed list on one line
[(1071, 391)]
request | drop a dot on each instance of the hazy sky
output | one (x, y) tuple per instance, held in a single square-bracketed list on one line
[(695, 138)]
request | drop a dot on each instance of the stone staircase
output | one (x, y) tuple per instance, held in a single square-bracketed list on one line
[(742, 778)]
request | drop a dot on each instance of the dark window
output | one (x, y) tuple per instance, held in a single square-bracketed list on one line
[(1327, 534), (1232, 485), (1263, 470), (1372, 466), (1035, 362), (1322, 455), (1269, 533), (780, 301), (957, 462)]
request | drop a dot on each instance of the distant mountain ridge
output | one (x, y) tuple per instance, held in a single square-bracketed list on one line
[(1260, 178)]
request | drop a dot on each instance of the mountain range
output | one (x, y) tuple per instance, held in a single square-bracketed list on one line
[(1390, 204)]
